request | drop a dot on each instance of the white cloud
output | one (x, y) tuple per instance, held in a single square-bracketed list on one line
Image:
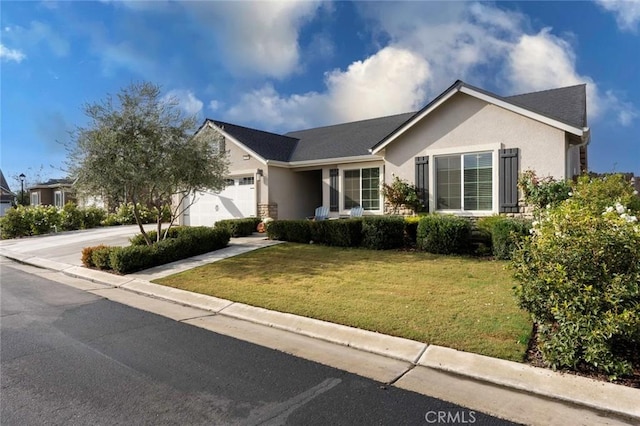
[(389, 82), (14, 55), (185, 100), (627, 12), (255, 37), (427, 46)]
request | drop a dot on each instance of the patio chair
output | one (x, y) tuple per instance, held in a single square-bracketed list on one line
[(322, 213), (356, 212)]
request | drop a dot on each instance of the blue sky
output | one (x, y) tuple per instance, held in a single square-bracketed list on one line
[(283, 66)]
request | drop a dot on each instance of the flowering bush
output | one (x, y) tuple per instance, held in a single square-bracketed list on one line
[(579, 275), (543, 192)]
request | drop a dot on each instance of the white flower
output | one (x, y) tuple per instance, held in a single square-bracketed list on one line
[(609, 209), (570, 194), (631, 219), (535, 223), (620, 208), (635, 192)]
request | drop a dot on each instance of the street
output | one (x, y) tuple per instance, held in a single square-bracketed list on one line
[(73, 358)]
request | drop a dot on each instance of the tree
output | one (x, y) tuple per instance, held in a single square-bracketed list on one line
[(139, 147)]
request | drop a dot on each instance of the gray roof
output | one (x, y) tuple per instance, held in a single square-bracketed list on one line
[(344, 140), (270, 146), (53, 183), (5, 192), (566, 104)]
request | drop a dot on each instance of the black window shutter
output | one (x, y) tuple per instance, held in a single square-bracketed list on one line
[(334, 193), (422, 180), (508, 178)]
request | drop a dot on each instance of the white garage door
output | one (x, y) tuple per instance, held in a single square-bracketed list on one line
[(237, 200)]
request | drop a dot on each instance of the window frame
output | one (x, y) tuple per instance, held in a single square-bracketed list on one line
[(492, 152), (35, 195), (56, 195), (361, 190)]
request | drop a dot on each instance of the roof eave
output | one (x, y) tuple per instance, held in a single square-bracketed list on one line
[(251, 152)]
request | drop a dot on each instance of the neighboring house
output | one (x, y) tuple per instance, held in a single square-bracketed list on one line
[(7, 198), (464, 151), (54, 192)]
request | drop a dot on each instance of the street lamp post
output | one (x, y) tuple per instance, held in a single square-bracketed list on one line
[(22, 176)]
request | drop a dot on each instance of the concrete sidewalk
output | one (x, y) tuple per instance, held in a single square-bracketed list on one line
[(519, 392)]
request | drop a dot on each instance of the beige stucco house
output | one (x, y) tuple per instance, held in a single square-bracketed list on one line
[(464, 151)]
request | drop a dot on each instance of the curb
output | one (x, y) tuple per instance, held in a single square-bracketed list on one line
[(581, 391)]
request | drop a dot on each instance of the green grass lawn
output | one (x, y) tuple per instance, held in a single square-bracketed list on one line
[(459, 302)]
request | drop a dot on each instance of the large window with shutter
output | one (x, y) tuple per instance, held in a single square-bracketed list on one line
[(362, 188), (464, 182)]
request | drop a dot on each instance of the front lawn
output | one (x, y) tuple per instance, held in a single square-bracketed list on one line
[(459, 302)]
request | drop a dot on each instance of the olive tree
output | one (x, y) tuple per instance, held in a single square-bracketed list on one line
[(139, 147)]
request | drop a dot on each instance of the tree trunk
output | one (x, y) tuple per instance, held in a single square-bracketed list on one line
[(136, 214)]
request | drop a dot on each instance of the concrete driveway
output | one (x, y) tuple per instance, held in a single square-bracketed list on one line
[(66, 247)]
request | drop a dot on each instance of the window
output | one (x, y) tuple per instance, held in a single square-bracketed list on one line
[(247, 180), (35, 198), (57, 199), (362, 188), (465, 182), (229, 182)]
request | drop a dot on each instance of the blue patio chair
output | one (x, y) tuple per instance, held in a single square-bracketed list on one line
[(322, 213), (356, 212)]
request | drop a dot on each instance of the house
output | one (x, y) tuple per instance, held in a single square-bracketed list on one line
[(7, 198), (463, 151), (54, 192)]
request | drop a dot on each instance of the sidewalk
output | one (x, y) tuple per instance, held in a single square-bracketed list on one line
[(503, 388)]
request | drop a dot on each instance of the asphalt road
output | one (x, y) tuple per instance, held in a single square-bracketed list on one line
[(69, 357)]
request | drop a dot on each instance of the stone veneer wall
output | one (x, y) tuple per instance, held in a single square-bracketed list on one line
[(268, 210), (402, 210)]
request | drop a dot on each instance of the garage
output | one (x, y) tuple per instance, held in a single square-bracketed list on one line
[(236, 201)]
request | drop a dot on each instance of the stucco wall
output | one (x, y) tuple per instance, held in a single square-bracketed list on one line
[(297, 193), (465, 122)]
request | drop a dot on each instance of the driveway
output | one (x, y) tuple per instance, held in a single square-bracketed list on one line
[(66, 247)]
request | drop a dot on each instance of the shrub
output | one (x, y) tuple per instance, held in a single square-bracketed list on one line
[(100, 257), (15, 223), (579, 277), (339, 233), (187, 242), (401, 192), (70, 217), (92, 216), (507, 234), (411, 229), (239, 227), (129, 259), (444, 234), (87, 255), (174, 232), (42, 219), (542, 192), (382, 232), (503, 233), (296, 231)]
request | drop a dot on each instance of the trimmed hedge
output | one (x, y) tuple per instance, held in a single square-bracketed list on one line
[(174, 232), (339, 233), (239, 227), (295, 231), (189, 242), (383, 232), (444, 234), (506, 235)]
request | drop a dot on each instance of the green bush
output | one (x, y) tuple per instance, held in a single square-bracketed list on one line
[(382, 232), (100, 257), (339, 233), (444, 234), (87, 255), (579, 277), (503, 234), (15, 223), (188, 242), (71, 217), (507, 234), (543, 192), (295, 231), (174, 232), (124, 215), (92, 216), (239, 227)]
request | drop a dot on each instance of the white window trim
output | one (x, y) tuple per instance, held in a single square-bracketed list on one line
[(341, 184), (37, 197), (56, 193), (495, 151)]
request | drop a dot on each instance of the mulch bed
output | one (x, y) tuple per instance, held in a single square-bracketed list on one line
[(534, 358)]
